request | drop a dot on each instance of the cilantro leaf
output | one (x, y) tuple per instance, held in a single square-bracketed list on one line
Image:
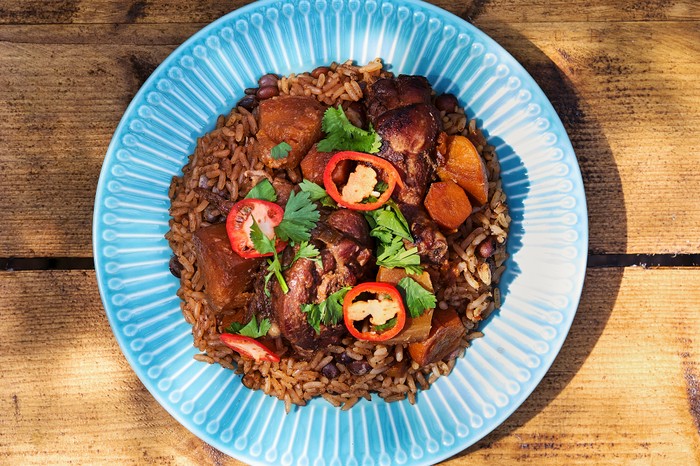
[(308, 251), (300, 217), (417, 298), (343, 135), (265, 245), (280, 151), (387, 325), (252, 329), (317, 193), (327, 312), (261, 242), (263, 190), (388, 221), (395, 255)]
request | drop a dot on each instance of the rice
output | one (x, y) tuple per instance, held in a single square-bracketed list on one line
[(223, 164)]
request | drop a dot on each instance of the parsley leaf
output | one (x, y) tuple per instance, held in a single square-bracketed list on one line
[(300, 217), (280, 151), (252, 329), (308, 251), (387, 325), (317, 193), (417, 298), (393, 255), (327, 312), (263, 190), (265, 245), (388, 221), (343, 135)]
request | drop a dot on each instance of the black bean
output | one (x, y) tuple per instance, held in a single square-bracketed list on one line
[(251, 91), (330, 371), (175, 266), (248, 102), (268, 80), (343, 358), (446, 102), (359, 367), (266, 92), (319, 71)]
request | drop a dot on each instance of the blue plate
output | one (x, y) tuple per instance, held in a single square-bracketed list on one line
[(205, 77)]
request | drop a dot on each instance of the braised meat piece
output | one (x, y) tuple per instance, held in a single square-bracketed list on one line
[(295, 120), (345, 261), (409, 136), (226, 274), (431, 243), (314, 164), (390, 93)]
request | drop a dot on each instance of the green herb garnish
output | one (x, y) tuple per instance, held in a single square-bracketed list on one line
[(343, 135), (387, 325), (317, 193), (280, 151), (265, 245), (300, 217), (327, 312), (417, 298), (264, 191), (252, 329)]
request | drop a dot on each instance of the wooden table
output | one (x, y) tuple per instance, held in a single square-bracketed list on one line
[(624, 77)]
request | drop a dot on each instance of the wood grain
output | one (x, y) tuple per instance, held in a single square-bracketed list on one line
[(624, 389), (626, 92), (184, 11)]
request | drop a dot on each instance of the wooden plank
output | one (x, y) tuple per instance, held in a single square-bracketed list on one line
[(627, 93), (623, 390), (183, 11)]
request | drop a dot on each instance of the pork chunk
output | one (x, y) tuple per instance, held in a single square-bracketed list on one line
[(295, 120)]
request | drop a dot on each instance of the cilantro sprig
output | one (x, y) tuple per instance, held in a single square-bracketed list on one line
[(300, 217), (343, 135), (390, 227), (265, 245), (264, 191), (252, 329), (328, 311), (317, 193), (417, 298), (280, 151)]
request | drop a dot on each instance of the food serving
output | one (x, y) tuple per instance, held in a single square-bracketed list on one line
[(339, 233)]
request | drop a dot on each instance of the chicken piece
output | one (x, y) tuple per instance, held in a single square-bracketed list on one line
[(284, 189), (409, 136), (351, 224), (295, 120), (390, 93), (431, 243), (226, 274)]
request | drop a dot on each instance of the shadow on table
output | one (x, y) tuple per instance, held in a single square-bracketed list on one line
[(601, 178)]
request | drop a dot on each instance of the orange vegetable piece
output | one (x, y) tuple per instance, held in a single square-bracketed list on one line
[(464, 166), (416, 329), (445, 335), (447, 204)]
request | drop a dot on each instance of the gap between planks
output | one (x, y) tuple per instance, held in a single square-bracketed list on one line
[(11, 264)]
